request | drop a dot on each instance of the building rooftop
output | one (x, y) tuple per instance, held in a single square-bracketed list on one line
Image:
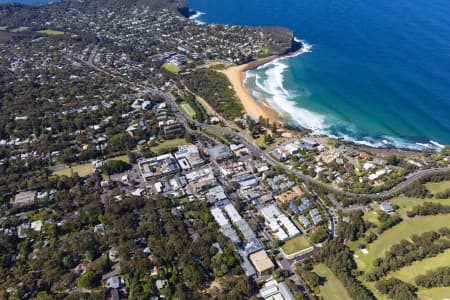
[(24, 198), (220, 152), (261, 261)]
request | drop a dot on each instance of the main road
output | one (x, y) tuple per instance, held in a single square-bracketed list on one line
[(257, 151)]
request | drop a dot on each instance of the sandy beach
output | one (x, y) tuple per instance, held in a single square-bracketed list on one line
[(253, 108)]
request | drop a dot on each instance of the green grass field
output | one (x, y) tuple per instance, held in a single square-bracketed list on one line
[(87, 168), (408, 273), (82, 170), (407, 204), (434, 294), (51, 32), (438, 187), (333, 288), (187, 109), (168, 144), (124, 158), (20, 29), (171, 68), (392, 236), (296, 244), (404, 230)]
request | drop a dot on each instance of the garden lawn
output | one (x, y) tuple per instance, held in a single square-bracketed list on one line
[(410, 272), (405, 229), (332, 288), (296, 244), (438, 187)]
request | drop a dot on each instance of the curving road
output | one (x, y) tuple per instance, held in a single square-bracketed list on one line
[(257, 151)]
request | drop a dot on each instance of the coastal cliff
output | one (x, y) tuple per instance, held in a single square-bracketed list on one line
[(283, 40)]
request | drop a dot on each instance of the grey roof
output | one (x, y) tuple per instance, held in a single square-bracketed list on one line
[(220, 152), (246, 265)]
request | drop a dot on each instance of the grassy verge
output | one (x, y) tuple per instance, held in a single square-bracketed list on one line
[(332, 288)]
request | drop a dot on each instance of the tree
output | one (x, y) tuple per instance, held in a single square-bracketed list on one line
[(88, 280), (397, 289)]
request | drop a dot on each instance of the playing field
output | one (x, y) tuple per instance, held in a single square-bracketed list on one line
[(51, 32), (187, 109), (333, 288), (295, 245)]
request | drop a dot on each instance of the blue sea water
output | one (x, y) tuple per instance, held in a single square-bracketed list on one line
[(378, 72)]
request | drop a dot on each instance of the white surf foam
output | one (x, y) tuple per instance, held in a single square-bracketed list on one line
[(437, 144), (196, 16), (279, 97), (271, 83)]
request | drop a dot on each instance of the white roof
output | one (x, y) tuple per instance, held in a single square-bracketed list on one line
[(232, 213), (219, 217)]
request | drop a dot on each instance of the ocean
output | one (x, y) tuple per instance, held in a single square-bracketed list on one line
[(375, 73)]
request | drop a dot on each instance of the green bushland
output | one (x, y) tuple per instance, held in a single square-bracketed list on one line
[(215, 88)]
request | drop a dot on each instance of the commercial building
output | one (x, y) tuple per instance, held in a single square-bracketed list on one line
[(158, 166), (261, 261), (276, 291)]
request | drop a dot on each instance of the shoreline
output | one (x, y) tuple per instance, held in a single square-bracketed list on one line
[(252, 107), (255, 108)]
